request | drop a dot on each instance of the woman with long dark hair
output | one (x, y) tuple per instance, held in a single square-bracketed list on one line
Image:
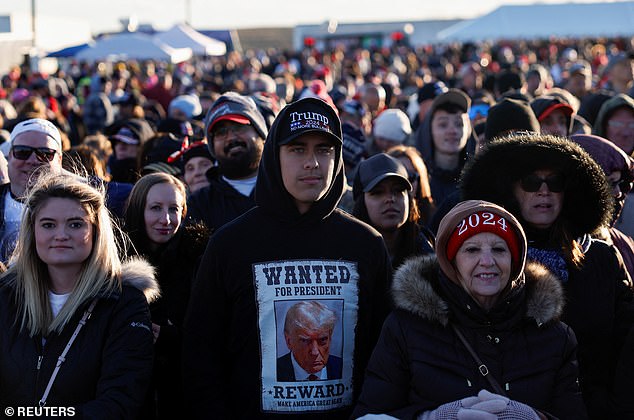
[(418, 177), (381, 192), (153, 220)]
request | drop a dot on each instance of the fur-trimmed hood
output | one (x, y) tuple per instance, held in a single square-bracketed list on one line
[(492, 173), (140, 274), (413, 291)]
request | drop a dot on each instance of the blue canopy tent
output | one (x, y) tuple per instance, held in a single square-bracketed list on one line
[(69, 52)]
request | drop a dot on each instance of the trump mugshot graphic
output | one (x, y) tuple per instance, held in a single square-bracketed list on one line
[(307, 311), (308, 337)]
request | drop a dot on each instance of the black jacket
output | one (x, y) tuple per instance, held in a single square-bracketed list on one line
[(254, 269), (219, 203), (420, 364), (176, 263), (599, 309), (108, 368)]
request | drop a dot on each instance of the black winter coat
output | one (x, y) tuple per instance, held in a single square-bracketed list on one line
[(599, 309), (176, 263), (217, 204), (419, 363), (108, 368)]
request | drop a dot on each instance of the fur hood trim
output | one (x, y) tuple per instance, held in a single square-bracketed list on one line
[(140, 274), (491, 175), (413, 292)]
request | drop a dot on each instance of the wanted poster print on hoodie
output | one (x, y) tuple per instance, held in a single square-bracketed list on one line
[(304, 307)]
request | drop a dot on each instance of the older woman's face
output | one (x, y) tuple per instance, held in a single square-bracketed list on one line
[(540, 206), (195, 170), (483, 263)]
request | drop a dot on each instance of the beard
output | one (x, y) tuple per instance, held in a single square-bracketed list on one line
[(243, 163)]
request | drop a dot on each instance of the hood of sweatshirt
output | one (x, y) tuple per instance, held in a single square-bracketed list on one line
[(308, 115)]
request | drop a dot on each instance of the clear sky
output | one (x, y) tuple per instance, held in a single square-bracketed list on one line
[(104, 15)]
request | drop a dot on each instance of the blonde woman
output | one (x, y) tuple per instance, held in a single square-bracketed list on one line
[(75, 330)]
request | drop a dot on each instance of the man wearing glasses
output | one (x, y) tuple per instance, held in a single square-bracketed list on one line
[(236, 131), (35, 144)]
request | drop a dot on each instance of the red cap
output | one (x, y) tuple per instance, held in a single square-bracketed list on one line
[(484, 221), (564, 107), (230, 117)]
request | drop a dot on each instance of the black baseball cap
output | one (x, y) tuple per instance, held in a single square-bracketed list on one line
[(452, 96), (309, 115), (374, 170)]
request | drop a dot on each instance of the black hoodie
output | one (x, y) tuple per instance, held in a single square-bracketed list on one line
[(258, 266)]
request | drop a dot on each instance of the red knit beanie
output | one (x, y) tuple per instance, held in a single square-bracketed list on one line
[(484, 221)]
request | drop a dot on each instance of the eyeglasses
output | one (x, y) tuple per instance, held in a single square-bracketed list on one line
[(43, 154), (532, 183), (222, 133), (621, 124)]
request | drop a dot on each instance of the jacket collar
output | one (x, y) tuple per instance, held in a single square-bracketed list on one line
[(138, 273), (413, 291)]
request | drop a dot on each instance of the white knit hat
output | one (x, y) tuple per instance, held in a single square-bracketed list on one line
[(188, 104), (392, 125)]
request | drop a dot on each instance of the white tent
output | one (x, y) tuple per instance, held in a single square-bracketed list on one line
[(126, 46), (184, 36), (542, 21)]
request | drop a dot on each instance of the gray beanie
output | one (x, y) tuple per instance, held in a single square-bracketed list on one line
[(235, 107)]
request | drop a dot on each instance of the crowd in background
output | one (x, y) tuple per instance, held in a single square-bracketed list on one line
[(177, 150)]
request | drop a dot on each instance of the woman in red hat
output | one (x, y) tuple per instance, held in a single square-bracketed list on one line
[(475, 332)]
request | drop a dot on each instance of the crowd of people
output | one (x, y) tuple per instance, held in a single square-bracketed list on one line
[(437, 232)]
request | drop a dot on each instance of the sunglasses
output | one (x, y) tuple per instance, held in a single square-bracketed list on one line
[(43, 154), (532, 183)]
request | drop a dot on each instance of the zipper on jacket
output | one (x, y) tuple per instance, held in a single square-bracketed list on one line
[(40, 358)]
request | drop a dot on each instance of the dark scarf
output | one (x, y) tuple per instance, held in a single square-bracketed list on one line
[(552, 259)]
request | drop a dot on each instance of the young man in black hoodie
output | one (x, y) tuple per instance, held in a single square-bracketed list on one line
[(294, 246)]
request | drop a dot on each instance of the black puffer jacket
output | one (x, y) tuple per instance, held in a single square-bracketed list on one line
[(419, 362), (108, 368)]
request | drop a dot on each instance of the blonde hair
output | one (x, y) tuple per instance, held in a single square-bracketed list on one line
[(100, 272)]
